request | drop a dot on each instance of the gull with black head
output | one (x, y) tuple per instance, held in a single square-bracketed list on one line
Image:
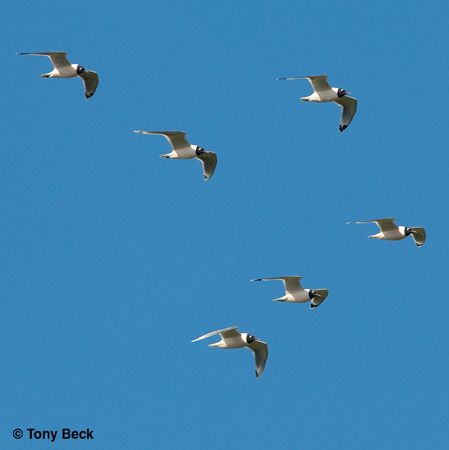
[(64, 69), (295, 293), (231, 338), (389, 231), (323, 92), (181, 149)]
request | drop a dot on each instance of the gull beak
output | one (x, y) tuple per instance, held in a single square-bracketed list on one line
[(318, 295)]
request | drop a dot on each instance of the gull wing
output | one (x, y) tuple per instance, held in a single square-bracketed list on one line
[(348, 108), (260, 350), (316, 301), (90, 80), (384, 224), (291, 284), (420, 236), (177, 139), (318, 82), (225, 333), (59, 59), (209, 160)]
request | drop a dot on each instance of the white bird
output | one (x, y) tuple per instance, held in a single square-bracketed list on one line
[(323, 92), (231, 338), (389, 231), (63, 69), (183, 150), (295, 293)]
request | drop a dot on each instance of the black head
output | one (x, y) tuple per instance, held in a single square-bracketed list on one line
[(250, 338), (199, 150), (313, 294), (80, 69), (342, 92), (409, 231)]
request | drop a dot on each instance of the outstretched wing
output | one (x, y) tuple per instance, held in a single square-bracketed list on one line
[(177, 139), (348, 108), (384, 224), (316, 301), (209, 160), (318, 82), (291, 284), (260, 350), (420, 236), (225, 333), (59, 59), (90, 80)]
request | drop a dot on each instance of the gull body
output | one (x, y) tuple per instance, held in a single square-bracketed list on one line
[(64, 69), (323, 92), (231, 339), (182, 149), (295, 293), (389, 231)]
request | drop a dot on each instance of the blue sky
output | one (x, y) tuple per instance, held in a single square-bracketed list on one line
[(114, 259)]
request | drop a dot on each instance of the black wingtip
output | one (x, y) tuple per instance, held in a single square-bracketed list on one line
[(257, 279), (343, 128)]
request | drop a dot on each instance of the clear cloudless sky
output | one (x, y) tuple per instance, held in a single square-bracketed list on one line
[(113, 259)]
